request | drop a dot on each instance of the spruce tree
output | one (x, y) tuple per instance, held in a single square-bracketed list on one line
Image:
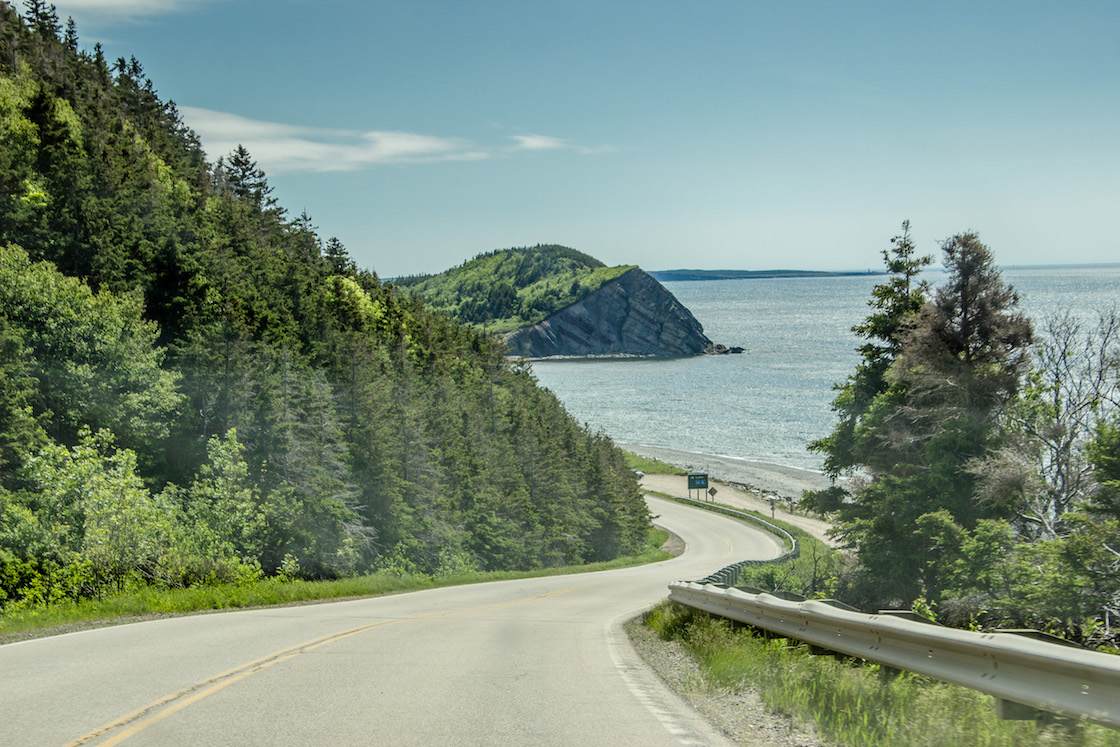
[(959, 362), (894, 304), (43, 19)]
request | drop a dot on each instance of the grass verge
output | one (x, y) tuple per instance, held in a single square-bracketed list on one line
[(846, 701), (650, 466), (150, 602)]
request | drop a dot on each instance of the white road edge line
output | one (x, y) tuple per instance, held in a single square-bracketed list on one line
[(651, 692)]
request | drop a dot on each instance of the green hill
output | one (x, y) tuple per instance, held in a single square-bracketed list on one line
[(195, 387), (510, 288)]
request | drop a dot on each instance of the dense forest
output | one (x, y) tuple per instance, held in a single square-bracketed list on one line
[(503, 290), (982, 455), (195, 388)]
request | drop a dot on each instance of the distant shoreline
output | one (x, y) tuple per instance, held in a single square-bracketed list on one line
[(672, 276), (679, 275)]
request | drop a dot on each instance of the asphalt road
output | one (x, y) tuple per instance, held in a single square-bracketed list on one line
[(537, 661)]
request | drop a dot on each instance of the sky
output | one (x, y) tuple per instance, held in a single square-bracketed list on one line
[(699, 134)]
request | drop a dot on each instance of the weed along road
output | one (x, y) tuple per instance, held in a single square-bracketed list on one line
[(536, 661)]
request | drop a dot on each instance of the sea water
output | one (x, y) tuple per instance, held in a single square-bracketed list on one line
[(771, 401)]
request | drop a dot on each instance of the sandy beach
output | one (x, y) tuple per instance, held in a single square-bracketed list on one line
[(741, 483)]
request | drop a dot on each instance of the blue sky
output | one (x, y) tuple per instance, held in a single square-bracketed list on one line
[(714, 134)]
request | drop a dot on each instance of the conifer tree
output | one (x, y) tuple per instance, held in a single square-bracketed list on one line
[(959, 363), (895, 304), (43, 19), (247, 180)]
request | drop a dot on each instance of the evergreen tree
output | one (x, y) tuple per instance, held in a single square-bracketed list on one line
[(895, 304), (43, 19), (960, 363), (338, 260), (247, 180)]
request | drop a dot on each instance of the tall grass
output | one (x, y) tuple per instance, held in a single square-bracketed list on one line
[(150, 601), (847, 700)]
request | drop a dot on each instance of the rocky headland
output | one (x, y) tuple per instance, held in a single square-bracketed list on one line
[(550, 301), (633, 315)]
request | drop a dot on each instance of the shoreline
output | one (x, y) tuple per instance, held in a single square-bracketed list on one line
[(766, 477), (743, 484)]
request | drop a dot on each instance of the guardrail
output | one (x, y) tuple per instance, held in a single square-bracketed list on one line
[(1022, 673), (1025, 671)]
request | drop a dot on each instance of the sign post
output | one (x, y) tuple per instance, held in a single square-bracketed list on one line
[(698, 481)]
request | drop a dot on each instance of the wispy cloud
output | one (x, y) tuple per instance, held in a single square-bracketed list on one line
[(280, 148), (538, 142), (124, 8), (547, 142)]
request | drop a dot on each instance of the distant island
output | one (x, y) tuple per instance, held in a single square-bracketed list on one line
[(675, 275), (550, 300)]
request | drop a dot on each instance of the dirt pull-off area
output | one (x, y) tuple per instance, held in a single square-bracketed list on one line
[(736, 497), (741, 483)]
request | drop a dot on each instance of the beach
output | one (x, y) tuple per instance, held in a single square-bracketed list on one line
[(741, 483)]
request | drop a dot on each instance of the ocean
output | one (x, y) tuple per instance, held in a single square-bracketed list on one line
[(770, 402)]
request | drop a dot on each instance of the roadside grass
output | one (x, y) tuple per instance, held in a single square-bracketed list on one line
[(651, 466), (151, 602), (847, 701)]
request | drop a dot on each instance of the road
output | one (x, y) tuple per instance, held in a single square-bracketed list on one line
[(535, 661)]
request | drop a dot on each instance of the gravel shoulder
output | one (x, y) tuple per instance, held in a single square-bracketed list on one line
[(739, 713)]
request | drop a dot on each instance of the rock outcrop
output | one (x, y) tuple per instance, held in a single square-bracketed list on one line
[(631, 315)]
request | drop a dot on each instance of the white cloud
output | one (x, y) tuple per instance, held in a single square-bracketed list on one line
[(279, 148), (123, 8), (538, 142), (547, 142)]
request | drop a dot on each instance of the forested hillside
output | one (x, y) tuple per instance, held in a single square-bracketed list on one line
[(503, 290), (194, 387)]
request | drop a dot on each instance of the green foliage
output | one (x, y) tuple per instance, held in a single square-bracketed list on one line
[(993, 579), (651, 466), (92, 517), (816, 573), (21, 430), (223, 505), (1104, 453), (278, 410), (1071, 395), (507, 289), (89, 358), (972, 488), (284, 588)]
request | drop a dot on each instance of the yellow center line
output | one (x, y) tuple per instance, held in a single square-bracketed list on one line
[(166, 706), (725, 556)]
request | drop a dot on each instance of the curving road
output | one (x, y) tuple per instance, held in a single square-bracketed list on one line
[(537, 661)]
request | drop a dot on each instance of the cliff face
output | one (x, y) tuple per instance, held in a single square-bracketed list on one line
[(632, 315)]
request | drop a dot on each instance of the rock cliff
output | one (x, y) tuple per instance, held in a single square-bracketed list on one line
[(631, 315)]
